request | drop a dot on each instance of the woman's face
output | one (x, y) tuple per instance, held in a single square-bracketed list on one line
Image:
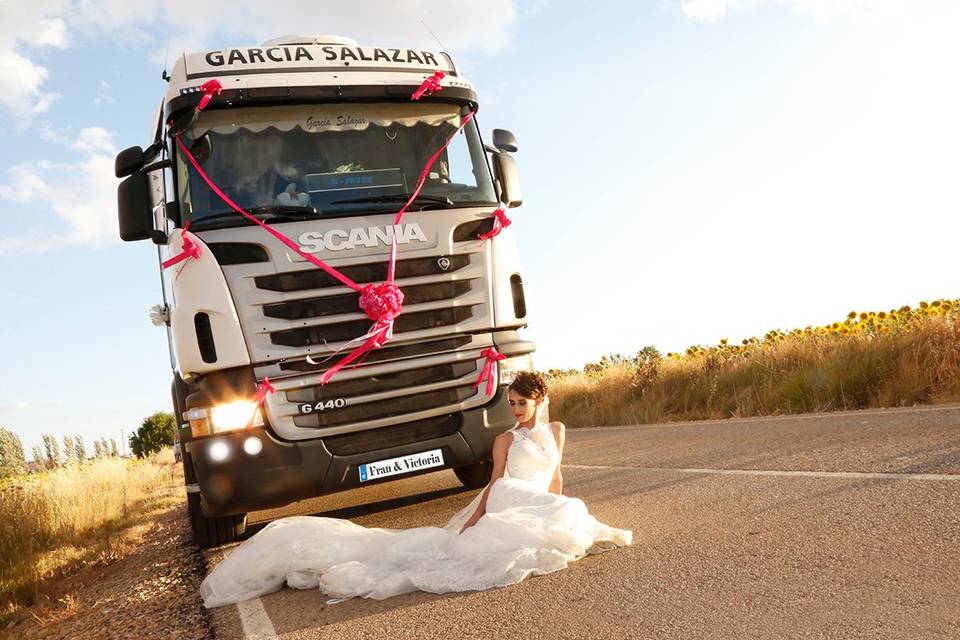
[(523, 408)]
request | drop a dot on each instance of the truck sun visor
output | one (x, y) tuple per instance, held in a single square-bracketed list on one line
[(328, 117)]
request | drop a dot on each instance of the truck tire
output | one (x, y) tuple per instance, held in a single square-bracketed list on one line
[(213, 532), (475, 476)]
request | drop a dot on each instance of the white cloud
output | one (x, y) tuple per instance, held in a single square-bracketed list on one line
[(821, 10), (21, 86), (19, 405), (25, 28), (29, 28), (103, 94), (94, 139), (82, 195)]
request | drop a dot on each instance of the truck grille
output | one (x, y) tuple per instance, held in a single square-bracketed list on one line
[(350, 303), (361, 273), (340, 331), (290, 310), (382, 394), (387, 408), (391, 351), (360, 387)]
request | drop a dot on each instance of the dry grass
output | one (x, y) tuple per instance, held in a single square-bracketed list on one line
[(56, 521), (899, 358)]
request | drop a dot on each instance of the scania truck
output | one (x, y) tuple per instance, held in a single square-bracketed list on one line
[(323, 141)]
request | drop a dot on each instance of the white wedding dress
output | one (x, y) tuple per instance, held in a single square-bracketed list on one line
[(525, 530)]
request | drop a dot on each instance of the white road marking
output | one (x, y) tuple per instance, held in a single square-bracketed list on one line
[(255, 621), (778, 418), (846, 475)]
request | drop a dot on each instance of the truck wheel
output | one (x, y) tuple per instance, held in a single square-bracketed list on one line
[(475, 476), (213, 532)]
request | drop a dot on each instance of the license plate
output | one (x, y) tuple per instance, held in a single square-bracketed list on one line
[(403, 464)]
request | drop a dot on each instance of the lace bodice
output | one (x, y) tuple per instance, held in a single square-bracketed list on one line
[(533, 455)]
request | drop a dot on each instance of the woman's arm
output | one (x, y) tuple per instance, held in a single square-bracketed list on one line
[(559, 434), (500, 447)]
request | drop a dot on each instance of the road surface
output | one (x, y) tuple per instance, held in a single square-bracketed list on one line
[(837, 525)]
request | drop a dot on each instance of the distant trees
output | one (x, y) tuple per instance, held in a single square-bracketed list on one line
[(104, 449), (69, 450), (11, 454), (80, 452), (51, 448), (155, 433)]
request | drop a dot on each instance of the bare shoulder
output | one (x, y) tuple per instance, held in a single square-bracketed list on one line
[(504, 439), (558, 427)]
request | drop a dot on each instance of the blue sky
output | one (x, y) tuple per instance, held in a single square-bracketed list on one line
[(692, 170)]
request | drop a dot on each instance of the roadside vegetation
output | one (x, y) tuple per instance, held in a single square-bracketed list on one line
[(901, 357), (74, 511)]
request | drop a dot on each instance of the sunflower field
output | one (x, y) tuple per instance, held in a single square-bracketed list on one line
[(870, 359)]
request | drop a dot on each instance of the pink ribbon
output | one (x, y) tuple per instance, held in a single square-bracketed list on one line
[(486, 374), (429, 86), (413, 196), (263, 389), (276, 234), (382, 302), (209, 88), (190, 250), (500, 222)]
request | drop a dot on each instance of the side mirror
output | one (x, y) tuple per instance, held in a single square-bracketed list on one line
[(128, 161), (504, 140), (505, 171), (134, 207)]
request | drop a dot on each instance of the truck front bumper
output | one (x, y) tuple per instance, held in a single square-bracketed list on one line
[(232, 481)]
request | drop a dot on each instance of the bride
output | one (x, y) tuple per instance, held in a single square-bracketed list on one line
[(519, 525)]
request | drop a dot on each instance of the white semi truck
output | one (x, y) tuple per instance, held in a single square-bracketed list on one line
[(320, 139)]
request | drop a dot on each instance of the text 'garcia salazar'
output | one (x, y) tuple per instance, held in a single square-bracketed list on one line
[(330, 54)]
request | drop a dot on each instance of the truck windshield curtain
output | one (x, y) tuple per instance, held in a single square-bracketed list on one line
[(321, 156)]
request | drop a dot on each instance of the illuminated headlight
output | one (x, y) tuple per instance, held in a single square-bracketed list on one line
[(510, 367), (224, 417), (253, 445), (236, 415), (219, 451)]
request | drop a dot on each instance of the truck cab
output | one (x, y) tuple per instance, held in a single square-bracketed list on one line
[(321, 140)]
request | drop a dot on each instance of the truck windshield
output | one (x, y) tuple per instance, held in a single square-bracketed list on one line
[(307, 161)]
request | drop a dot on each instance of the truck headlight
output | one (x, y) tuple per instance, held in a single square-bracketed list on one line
[(231, 416), (510, 366)]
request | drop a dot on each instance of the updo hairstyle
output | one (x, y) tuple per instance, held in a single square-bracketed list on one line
[(529, 384)]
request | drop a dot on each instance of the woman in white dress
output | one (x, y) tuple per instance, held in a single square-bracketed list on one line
[(519, 525)]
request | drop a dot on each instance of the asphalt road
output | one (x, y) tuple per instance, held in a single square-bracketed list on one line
[(838, 525)]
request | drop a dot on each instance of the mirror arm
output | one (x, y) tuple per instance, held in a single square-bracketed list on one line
[(490, 148), (150, 152), (159, 164)]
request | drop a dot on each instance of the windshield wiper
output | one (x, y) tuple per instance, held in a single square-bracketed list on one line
[(276, 213), (398, 197)]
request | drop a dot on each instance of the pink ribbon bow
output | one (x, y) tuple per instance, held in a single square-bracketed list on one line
[(500, 222), (190, 250), (263, 389), (382, 303), (429, 86), (209, 88), (486, 374)]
